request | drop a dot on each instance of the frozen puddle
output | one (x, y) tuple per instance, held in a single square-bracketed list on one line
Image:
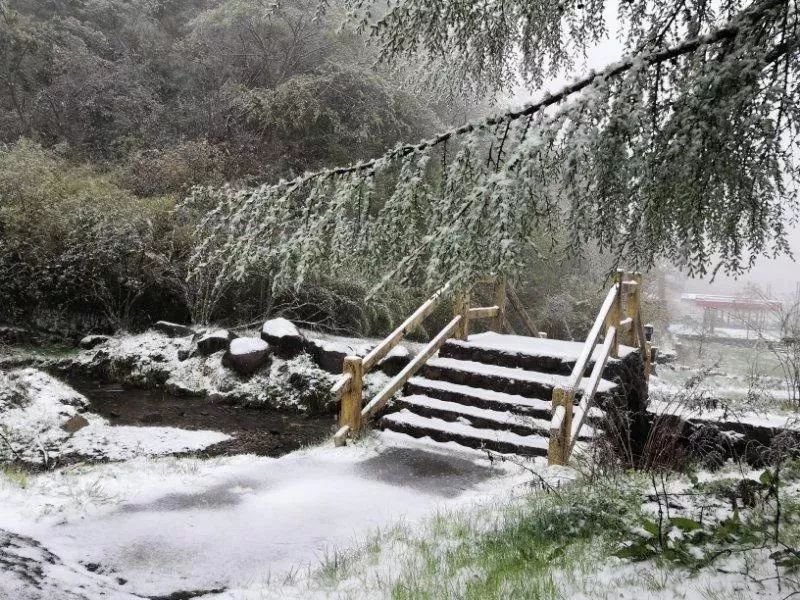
[(186, 524)]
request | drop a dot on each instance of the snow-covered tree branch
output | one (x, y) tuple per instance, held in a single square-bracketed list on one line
[(683, 152)]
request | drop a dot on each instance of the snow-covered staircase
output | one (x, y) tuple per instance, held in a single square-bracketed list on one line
[(525, 395), (493, 392)]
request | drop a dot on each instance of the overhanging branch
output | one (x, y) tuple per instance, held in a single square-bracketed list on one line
[(727, 32)]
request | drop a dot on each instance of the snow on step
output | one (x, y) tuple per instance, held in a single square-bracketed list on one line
[(407, 419), (491, 396), (518, 344), (546, 379), (500, 418), (480, 393)]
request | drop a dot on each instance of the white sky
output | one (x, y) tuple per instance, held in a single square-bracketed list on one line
[(782, 275)]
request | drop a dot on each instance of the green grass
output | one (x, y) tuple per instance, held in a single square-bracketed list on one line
[(44, 351), (494, 552), (551, 545), (15, 475)]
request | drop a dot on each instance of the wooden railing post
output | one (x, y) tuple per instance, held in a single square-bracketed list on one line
[(615, 314), (632, 311), (350, 408), (500, 284), (559, 445), (461, 307)]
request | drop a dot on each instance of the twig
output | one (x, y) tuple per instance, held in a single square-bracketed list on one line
[(493, 456), (10, 447)]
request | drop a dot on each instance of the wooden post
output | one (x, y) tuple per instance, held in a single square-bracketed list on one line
[(461, 307), (559, 444), (615, 314), (500, 301), (632, 310), (350, 408), (648, 359)]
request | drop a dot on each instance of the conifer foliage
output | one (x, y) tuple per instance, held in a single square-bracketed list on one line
[(682, 151)]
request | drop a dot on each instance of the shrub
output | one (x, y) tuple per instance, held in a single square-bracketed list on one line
[(174, 169), (75, 242)]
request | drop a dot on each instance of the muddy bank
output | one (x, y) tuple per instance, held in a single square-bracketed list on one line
[(263, 430)]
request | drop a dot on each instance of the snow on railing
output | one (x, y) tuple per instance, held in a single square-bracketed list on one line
[(563, 432), (349, 388)]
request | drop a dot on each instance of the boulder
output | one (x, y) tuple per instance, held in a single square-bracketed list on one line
[(173, 329), (329, 355), (283, 337), (92, 341), (74, 424), (395, 361), (214, 341), (15, 335), (246, 355)]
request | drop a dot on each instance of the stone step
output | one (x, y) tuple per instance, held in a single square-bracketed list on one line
[(530, 384), (506, 442), (481, 418), (556, 357), (488, 399)]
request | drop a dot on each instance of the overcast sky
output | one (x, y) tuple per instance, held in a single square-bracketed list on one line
[(782, 275)]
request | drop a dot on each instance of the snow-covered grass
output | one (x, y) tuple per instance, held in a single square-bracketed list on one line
[(172, 524), (601, 539), (730, 380)]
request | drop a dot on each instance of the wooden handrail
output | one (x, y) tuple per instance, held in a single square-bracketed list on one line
[(406, 327), (520, 308), (587, 399), (484, 312), (341, 386), (591, 339), (610, 314), (399, 380)]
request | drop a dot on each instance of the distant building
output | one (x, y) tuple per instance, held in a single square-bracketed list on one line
[(732, 316)]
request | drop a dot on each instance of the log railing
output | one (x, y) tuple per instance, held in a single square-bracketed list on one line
[(621, 317), (349, 388)]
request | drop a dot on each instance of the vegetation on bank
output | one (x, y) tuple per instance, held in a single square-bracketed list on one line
[(593, 538)]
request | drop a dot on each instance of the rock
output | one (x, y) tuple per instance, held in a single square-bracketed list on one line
[(15, 335), (177, 387), (214, 341), (173, 329), (329, 357), (395, 361), (283, 337), (246, 355), (92, 341), (74, 424), (184, 354)]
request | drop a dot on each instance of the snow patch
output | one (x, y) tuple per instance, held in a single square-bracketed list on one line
[(279, 328), (248, 345)]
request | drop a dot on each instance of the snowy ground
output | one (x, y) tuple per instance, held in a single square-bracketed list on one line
[(239, 523), (713, 382), (43, 420)]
